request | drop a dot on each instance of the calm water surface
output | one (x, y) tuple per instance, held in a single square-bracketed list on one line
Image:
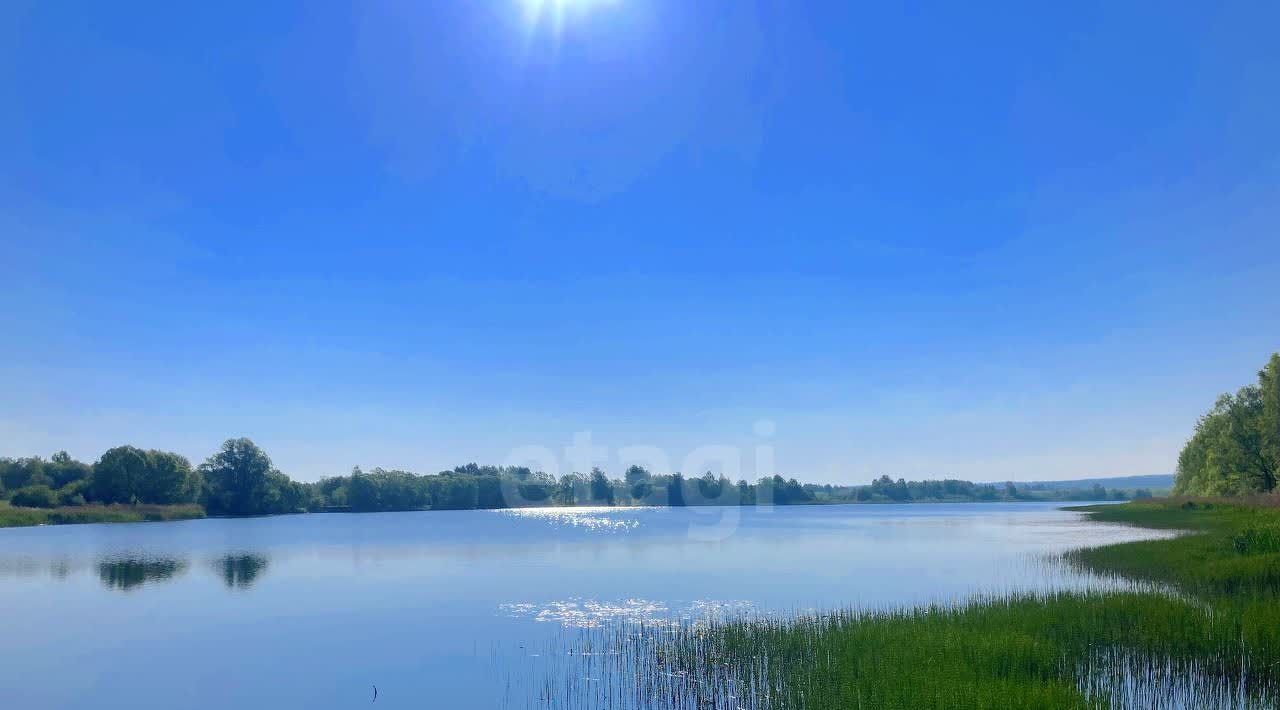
[(437, 609)]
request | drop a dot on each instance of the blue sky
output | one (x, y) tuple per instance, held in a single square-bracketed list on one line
[(916, 239)]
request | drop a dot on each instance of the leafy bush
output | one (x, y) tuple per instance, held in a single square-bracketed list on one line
[(35, 497), (73, 493)]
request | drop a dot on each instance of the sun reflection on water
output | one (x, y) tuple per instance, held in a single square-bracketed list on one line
[(593, 613), (596, 518)]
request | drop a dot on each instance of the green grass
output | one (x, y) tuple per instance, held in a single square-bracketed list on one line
[(1020, 652), (1213, 632), (11, 516), (1231, 555), (1223, 619)]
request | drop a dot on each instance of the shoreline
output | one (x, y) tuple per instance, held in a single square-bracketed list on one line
[(15, 516)]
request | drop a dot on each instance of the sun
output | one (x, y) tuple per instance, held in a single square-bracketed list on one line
[(555, 11)]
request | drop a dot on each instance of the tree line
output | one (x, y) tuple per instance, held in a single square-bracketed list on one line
[(885, 489), (240, 479), (237, 480), (476, 486), (1235, 449)]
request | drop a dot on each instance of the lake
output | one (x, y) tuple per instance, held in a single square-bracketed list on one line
[(442, 609)]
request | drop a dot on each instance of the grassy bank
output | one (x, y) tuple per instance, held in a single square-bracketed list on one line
[(12, 516), (1231, 557), (1211, 640)]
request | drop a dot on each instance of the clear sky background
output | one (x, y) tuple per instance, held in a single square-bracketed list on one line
[(919, 239)]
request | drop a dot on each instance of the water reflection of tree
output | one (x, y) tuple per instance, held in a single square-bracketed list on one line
[(240, 571), (127, 573)]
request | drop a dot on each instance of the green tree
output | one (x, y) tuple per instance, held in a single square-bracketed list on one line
[(566, 491), (883, 485), (1236, 446), (641, 491), (168, 479), (238, 480), (708, 487), (127, 474), (797, 494), (489, 492), (601, 488), (118, 475), (636, 474), (17, 473), (455, 493), (675, 490), (63, 470), (332, 490), (1269, 386), (362, 492)]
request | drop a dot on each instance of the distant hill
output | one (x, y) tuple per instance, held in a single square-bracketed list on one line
[(1155, 482)]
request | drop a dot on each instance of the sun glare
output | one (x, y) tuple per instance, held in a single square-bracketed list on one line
[(555, 11)]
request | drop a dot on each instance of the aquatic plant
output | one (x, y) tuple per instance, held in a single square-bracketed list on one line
[(1197, 626)]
